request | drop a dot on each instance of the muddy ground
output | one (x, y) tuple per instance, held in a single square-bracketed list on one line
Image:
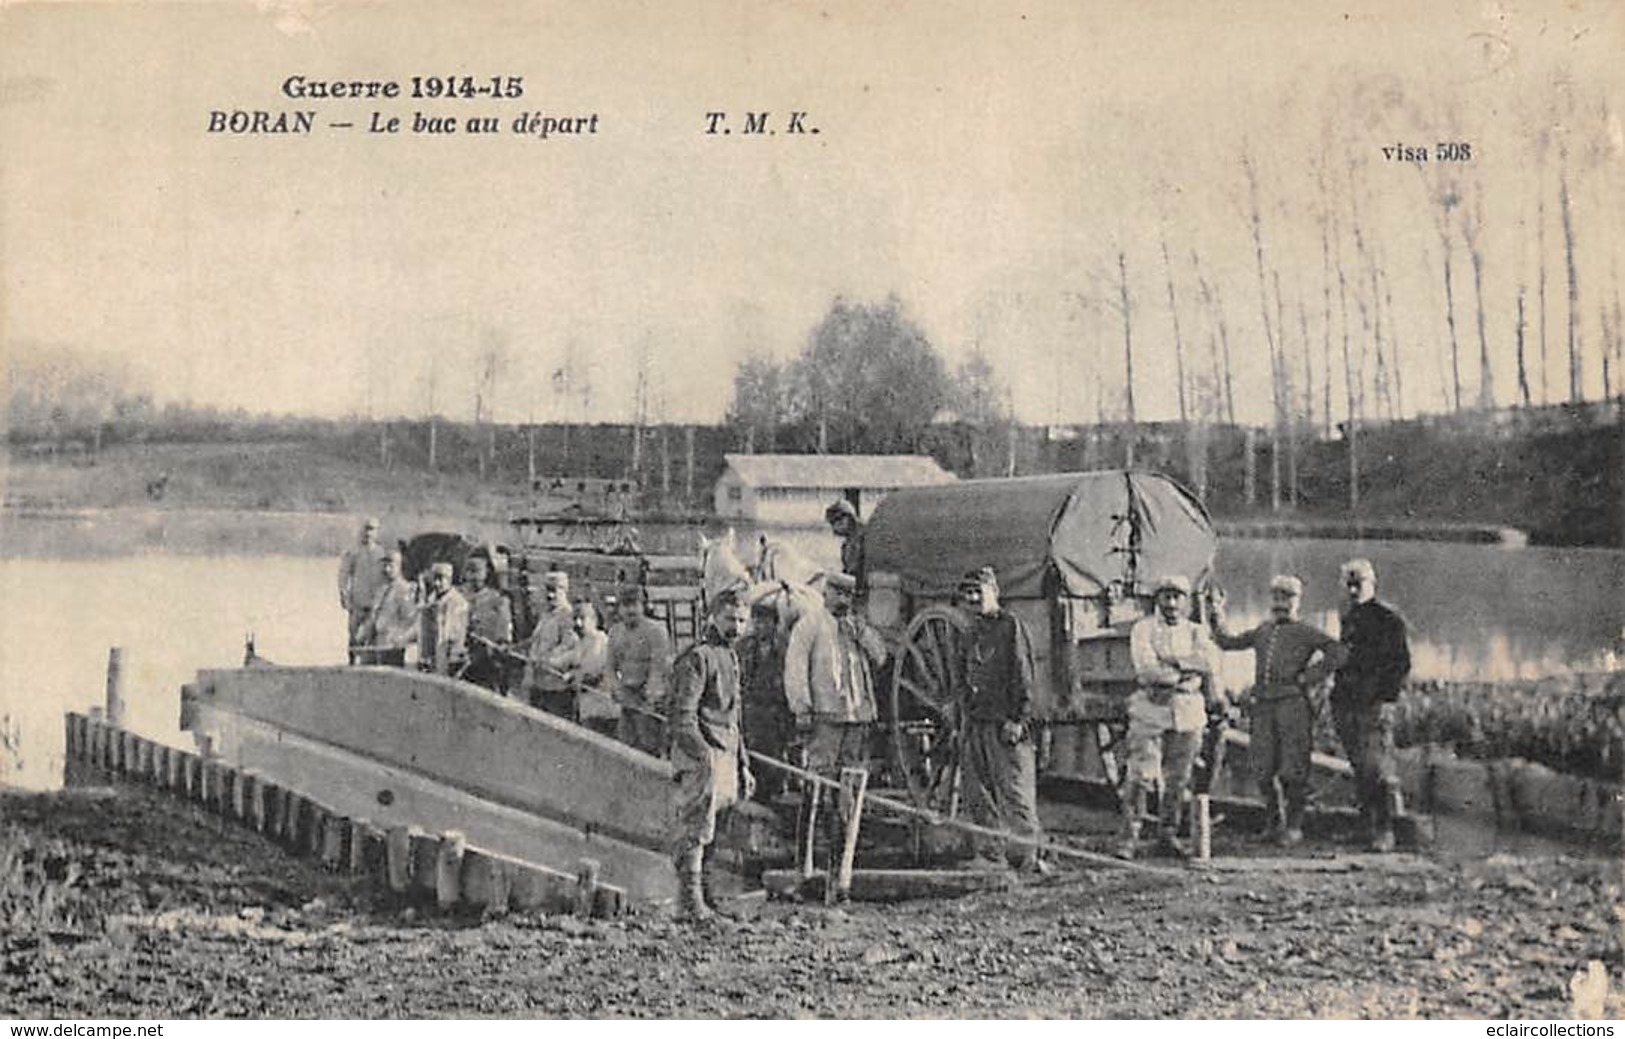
[(122, 904)]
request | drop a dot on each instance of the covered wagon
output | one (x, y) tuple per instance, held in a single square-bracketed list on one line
[(1076, 555)]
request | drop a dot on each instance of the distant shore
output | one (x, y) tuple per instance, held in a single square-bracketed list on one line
[(294, 498)]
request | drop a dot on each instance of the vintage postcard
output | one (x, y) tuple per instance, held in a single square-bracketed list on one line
[(849, 510)]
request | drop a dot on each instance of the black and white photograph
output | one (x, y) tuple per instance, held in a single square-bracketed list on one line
[(835, 511)]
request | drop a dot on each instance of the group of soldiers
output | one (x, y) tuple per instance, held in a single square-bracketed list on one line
[(1176, 664), (613, 681), (794, 679)]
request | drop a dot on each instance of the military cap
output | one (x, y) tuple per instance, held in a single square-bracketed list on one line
[(840, 507), (1360, 568), (440, 570), (556, 579), (975, 579), (1286, 583), (1172, 583)]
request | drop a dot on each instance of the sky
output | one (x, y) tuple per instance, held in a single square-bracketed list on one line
[(986, 163)]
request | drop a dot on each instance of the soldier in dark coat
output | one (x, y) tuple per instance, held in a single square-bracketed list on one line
[(708, 758), (1363, 697), (996, 698)]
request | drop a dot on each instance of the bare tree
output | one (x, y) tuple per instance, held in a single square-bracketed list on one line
[(1567, 208), (1523, 368), (1179, 342), (1128, 348), (1472, 217), (1223, 384), (1257, 225)]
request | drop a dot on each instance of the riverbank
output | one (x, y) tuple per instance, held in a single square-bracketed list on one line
[(125, 904), (309, 478)]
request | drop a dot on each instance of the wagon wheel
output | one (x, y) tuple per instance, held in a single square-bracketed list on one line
[(925, 718)]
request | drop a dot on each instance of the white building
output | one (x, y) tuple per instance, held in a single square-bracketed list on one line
[(796, 489)]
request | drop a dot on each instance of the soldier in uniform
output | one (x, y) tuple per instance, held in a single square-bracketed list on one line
[(583, 665), (829, 688), (554, 631), (768, 723), (843, 520), (490, 624), (710, 765), (1290, 658), (1363, 696), (1174, 661), (443, 638), (361, 577), (996, 700), (640, 666), (392, 622)]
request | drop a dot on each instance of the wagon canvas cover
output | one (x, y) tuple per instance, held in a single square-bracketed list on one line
[(1079, 523)]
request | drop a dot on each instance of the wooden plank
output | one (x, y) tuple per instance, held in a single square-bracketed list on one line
[(853, 783), (890, 885)]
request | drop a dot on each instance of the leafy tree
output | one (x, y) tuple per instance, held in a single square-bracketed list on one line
[(759, 404), (868, 381)]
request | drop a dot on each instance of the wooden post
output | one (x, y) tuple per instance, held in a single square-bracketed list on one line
[(425, 856), (448, 870), (115, 687), (485, 883), (398, 859), (809, 838), (367, 851), (1204, 827), (251, 793), (838, 887), (587, 871), (335, 843), (313, 839)]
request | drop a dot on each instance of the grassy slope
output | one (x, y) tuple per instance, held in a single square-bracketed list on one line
[(294, 476)]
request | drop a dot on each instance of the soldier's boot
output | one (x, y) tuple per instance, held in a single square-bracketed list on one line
[(1134, 800), (1169, 807), (707, 891), (1389, 806), (1292, 796), (1274, 812), (691, 901)]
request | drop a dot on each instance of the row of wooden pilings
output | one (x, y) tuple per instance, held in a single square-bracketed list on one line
[(407, 865)]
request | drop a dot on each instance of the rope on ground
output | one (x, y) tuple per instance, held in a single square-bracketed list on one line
[(936, 819)]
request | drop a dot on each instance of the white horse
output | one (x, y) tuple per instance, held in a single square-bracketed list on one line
[(782, 577)]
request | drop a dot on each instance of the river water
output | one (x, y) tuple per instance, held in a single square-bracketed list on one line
[(1476, 612)]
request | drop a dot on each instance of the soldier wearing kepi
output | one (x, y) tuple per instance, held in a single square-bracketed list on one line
[(1290, 658), (843, 521), (829, 687), (392, 623), (996, 698), (442, 641), (1363, 695), (640, 666), (1174, 660), (490, 624), (708, 758), (361, 578), (555, 630)]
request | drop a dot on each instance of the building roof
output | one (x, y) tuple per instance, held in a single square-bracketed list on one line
[(834, 472)]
